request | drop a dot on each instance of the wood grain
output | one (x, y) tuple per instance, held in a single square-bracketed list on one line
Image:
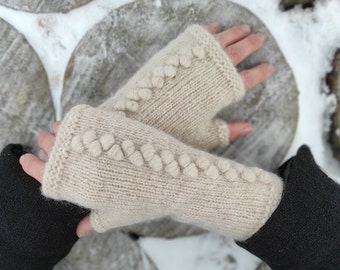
[(25, 102), (40, 6)]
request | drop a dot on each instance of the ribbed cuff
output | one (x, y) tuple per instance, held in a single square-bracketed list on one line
[(303, 232), (220, 58)]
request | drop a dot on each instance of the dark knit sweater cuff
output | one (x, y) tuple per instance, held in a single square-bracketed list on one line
[(304, 230), (35, 232)]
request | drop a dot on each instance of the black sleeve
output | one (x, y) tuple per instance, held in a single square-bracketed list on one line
[(35, 232), (304, 231)]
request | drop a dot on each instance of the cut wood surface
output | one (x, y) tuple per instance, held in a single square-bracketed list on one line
[(108, 55), (25, 102), (117, 47), (113, 250), (43, 5)]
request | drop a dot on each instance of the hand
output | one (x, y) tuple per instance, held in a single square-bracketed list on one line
[(238, 44)]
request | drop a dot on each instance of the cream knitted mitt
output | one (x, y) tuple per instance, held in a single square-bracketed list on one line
[(128, 172), (181, 89)]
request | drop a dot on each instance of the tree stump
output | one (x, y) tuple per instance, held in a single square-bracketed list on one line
[(117, 47), (43, 5), (112, 250), (333, 81), (25, 102), (104, 60)]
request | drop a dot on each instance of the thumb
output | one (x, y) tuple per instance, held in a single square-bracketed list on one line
[(216, 135)]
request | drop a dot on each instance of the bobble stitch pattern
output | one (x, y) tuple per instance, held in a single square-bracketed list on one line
[(199, 52), (120, 105), (116, 153), (223, 166), (203, 163), (148, 151), (95, 148), (137, 159), (133, 95), (212, 172), (158, 72), (191, 171), (231, 175), (128, 147), (184, 160), (145, 93), (157, 82), (265, 177), (145, 83), (248, 176), (170, 71), (157, 78), (77, 144), (107, 141), (166, 160), (173, 169), (167, 156), (89, 137), (132, 106), (173, 61), (185, 61), (156, 163)]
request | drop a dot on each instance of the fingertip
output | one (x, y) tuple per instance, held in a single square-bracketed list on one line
[(84, 227), (239, 129), (245, 28), (33, 166), (212, 28), (247, 129), (56, 126), (22, 160), (270, 68)]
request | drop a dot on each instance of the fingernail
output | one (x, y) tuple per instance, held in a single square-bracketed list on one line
[(245, 28), (21, 159), (248, 129), (260, 36)]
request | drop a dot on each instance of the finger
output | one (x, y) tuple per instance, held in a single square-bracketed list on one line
[(233, 35), (239, 129), (243, 48), (84, 227), (55, 127), (212, 28), (256, 75), (33, 166), (46, 141)]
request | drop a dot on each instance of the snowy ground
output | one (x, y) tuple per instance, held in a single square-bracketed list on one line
[(308, 39)]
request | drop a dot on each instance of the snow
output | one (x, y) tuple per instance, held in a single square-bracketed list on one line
[(54, 36), (208, 251), (308, 39)]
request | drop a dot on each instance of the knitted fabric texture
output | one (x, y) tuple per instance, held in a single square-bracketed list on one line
[(181, 89), (112, 164), (35, 232), (303, 232)]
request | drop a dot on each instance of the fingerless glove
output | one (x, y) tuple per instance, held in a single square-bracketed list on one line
[(181, 89), (113, 164)]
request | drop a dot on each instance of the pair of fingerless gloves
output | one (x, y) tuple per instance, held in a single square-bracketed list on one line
[(136, 158)]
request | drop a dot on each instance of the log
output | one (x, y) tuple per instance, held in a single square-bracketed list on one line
[(112, 250), (37, 6), (25, 101), (117, 47)]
